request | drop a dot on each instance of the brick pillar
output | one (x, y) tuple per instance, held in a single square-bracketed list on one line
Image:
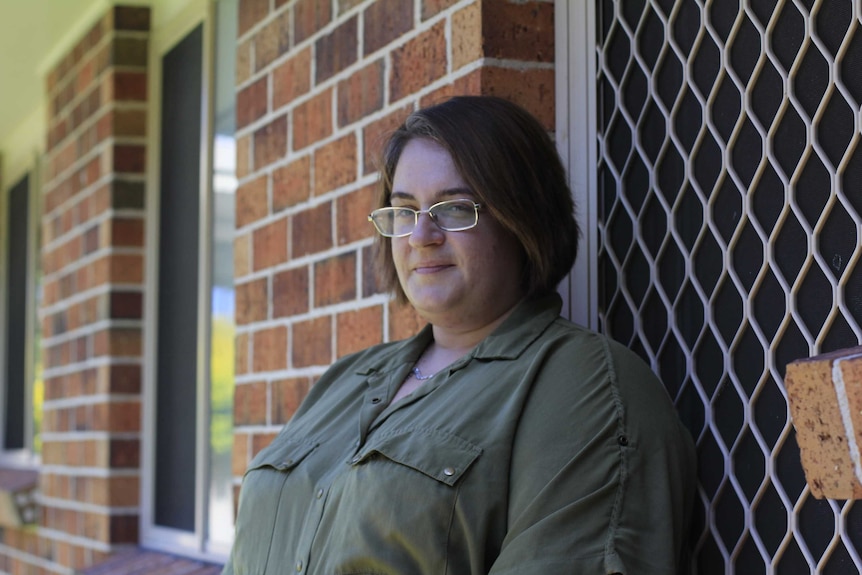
[(318, 86), (93, 266)]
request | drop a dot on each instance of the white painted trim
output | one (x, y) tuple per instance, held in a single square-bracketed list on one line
[(575, 22)]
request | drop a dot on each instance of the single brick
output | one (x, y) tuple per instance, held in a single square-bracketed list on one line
[(124, 416), (119, 378), (335, 280), (126, 305), (132, 18), (336, 50), (375, 134), (241, 255), (431, 8), (129, 52), (128, 123), (269, 245), (251, 201), (312, 120), (252, 301), (467, 35), (291, 79), (272, 41), (352, 214), (291, 184), (825, 397), (310, 16), (419, 62), (251, 103), (125, 268), (239, 454), (311, 230), (128, 158), (287, 394), (358, 329), (361, 94), (123, 529), (243, 156), (250, 404), (127, 232), (519, 31), (250, 13), (290, 292), (259, 441), (243, 61), (270, 142), (335, 164), (126, 195), (384, 22), (533, 89), (117, 341), (126, 86), (124, 453), (312, 342), (241, 353), (269, 349)]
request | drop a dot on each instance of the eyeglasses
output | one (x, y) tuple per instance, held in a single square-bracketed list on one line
[(450, 216)]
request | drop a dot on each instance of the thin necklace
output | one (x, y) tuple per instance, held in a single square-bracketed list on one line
[(418, 374)]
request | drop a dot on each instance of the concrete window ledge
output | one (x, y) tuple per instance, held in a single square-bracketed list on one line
[(17, 496), (145, 562)]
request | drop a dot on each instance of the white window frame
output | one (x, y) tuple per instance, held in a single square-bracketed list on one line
[(163, 38), (30, 168), (575, 30)]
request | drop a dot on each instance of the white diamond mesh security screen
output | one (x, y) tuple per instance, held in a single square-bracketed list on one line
[(730, 218)]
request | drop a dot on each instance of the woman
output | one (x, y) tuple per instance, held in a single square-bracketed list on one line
[(501, 438)]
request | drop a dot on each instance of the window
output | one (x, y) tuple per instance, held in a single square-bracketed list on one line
[(20, 355), (188, 497)]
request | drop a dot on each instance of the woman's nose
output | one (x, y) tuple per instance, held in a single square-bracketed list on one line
[(426, 231)]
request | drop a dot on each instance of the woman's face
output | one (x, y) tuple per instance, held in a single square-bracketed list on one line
[(458, 280)]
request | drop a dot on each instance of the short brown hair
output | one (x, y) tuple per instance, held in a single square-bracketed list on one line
[(511, 164)]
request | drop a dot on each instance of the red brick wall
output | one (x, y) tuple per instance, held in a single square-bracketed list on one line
[(318, 86), (92, 264)]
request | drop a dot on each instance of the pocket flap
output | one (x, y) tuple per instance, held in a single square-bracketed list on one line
[(282, 454), (438, 455)]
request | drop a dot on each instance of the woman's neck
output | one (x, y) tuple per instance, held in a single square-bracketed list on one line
[(459, 339)]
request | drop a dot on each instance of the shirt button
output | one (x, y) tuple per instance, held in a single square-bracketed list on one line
[(449, 472), (355, 459), (298, 566), (319, 493)]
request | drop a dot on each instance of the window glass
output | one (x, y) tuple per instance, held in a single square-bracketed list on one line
[(22, 396)]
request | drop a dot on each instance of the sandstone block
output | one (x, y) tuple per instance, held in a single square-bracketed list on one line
[(825, 396)]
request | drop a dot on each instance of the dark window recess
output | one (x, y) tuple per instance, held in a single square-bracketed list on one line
[(175, 428), (16, 315)]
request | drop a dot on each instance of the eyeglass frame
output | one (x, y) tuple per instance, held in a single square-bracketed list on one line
[(416, 213)]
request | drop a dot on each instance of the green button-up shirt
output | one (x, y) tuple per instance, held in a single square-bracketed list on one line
[(547, 449)]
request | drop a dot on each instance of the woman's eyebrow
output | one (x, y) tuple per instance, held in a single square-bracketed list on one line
[(439, 196)]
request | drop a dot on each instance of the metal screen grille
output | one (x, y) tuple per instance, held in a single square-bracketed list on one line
[(730, 209)]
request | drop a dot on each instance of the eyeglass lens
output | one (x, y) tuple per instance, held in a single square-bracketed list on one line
[(452, 215)]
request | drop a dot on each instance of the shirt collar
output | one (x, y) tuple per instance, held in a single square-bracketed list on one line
[(526, 323)]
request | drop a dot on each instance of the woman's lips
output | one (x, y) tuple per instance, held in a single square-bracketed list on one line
[(430, 268)]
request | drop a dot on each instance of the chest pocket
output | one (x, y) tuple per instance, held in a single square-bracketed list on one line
[(436, 454), (281, 455)]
